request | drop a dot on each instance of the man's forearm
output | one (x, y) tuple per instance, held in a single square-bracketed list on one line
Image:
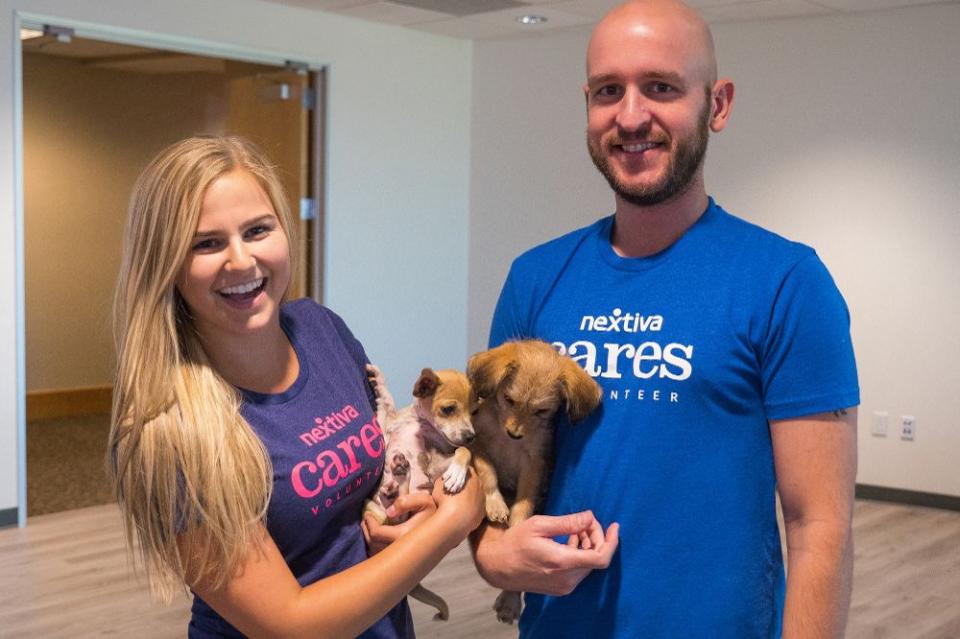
[(819, 580)]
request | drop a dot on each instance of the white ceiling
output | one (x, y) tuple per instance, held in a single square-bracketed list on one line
[(447, 17)]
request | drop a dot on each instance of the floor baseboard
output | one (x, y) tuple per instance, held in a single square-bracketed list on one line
[(8, 517), (908, 497), (69, 402)]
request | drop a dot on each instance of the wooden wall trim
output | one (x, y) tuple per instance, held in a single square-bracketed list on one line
[(69, 402), (8, 517), (908, 497)]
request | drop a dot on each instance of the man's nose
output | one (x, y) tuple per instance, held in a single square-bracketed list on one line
[(633, 115)]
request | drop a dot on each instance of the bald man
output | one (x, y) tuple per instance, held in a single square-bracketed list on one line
[(728, 374)]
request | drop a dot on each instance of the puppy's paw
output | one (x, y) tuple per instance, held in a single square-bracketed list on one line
[(376, 379), (508, 606), (496, 508), (521, 511), (454, 478), (373, 508), (399, 464)]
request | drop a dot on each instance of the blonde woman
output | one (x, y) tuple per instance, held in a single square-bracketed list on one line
[(243, 441)]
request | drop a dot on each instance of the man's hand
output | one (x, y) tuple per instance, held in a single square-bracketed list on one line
[(527, 558), (379, 536)]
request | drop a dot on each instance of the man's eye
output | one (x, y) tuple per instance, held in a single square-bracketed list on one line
[(608, 91), (661, 87)]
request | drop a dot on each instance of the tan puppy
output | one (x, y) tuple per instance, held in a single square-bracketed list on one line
[(426, 441), (522, 386)]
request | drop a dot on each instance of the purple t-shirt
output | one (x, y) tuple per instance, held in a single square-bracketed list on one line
[(327, 453)]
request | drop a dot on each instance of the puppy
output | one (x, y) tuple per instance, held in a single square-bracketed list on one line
[(522, 386), (425, 441)]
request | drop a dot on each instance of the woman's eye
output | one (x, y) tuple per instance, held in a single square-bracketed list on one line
[(258, 231), (205, 245)]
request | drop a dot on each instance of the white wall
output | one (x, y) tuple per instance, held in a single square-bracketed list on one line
[(845, 135), (398, 180)]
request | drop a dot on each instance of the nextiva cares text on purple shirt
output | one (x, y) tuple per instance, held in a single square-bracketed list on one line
[(327, 453)]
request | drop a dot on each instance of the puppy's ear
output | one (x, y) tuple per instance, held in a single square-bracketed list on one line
[(426, 385), (487, 369), (580, 391)]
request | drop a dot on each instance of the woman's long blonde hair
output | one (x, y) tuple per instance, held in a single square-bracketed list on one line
[(182, 459)]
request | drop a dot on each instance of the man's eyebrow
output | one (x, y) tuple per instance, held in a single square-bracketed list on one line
[(666, 76), (600, 79)]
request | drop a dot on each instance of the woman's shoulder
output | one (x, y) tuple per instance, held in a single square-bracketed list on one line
[(306, 311), (308, 315)]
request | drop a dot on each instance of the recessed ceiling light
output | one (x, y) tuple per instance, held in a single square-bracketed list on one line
[(531, 19), (27, 34)]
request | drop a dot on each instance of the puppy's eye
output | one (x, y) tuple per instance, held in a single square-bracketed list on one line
[(447, 411), (509, 400), (543, 412)]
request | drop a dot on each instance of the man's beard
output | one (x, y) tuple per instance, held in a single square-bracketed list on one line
[(681, 168)]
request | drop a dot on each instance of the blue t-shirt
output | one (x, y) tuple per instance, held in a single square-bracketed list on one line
[(696, 348), (327, 453)]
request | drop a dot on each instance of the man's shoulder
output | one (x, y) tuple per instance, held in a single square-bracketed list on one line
[(559, 249), (760, 241)]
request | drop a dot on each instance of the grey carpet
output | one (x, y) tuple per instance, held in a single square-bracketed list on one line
[(65, 467)]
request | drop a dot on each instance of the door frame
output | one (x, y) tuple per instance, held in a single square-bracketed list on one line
[(155, 40)]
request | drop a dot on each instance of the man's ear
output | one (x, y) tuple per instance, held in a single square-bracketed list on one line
[(721, 103), (426, 385)]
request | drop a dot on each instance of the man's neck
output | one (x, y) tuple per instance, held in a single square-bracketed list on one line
[(640, 231)]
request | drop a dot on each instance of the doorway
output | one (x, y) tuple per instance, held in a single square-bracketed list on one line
[(94, 113)]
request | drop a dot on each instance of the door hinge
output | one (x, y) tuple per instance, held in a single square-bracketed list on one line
[(300, 67), (309, 98), (308, 208), (62, 34)]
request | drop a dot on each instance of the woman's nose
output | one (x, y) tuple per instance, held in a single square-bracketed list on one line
[(239, 257)]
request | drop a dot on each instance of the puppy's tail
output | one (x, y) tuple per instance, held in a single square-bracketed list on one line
[(427, 596)]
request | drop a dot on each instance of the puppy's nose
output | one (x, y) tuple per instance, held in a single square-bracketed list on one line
[(467, 438)]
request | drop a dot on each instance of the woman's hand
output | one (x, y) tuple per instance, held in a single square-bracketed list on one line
[(378, 536), (464, 509)]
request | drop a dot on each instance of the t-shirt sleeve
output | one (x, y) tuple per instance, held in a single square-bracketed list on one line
[(357, 354), (807, 360), (507, 324)]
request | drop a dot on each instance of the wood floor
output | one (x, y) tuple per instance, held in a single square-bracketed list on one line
[(66, 575)]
